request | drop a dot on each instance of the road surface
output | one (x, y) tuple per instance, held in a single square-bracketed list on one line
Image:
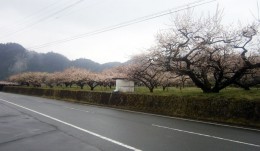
[(32, 123)]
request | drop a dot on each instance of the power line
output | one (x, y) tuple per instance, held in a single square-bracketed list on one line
[(124, 24), (84, 7), (44, 18), (22, 21), (31, 18)]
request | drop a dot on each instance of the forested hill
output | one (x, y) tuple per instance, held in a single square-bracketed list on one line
[(15, 58)]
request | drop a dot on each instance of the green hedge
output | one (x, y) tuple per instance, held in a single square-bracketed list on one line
[(219, 109)]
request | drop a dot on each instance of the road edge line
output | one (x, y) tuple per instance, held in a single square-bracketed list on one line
[(76, 127)]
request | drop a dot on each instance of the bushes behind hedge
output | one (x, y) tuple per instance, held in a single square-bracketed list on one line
[(203, 107)]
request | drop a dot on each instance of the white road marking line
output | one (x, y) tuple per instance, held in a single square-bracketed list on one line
[(179, 118), (75, 109), (205, 135), (79, 128)]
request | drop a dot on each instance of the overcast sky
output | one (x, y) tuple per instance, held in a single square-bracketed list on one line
[(33, 23)]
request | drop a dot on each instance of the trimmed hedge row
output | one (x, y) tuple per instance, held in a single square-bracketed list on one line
[(205, 108)]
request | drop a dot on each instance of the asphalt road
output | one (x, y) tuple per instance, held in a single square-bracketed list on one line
[(31, 123)]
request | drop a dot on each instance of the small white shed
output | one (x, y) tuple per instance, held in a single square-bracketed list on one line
[(124, 85)]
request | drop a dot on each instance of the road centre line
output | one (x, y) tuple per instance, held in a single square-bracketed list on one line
[(205, 135), (76, 127)]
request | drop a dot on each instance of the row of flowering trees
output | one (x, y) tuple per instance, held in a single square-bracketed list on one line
[(149, 78), (78, 76)]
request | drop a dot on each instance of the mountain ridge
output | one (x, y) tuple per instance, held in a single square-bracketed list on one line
[(16, 59)]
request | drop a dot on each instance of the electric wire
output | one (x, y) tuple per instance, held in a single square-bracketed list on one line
[(30, 16), (43, 19), (124, 24)]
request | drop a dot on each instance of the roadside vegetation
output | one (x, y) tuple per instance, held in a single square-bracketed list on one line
[(232, 93)]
